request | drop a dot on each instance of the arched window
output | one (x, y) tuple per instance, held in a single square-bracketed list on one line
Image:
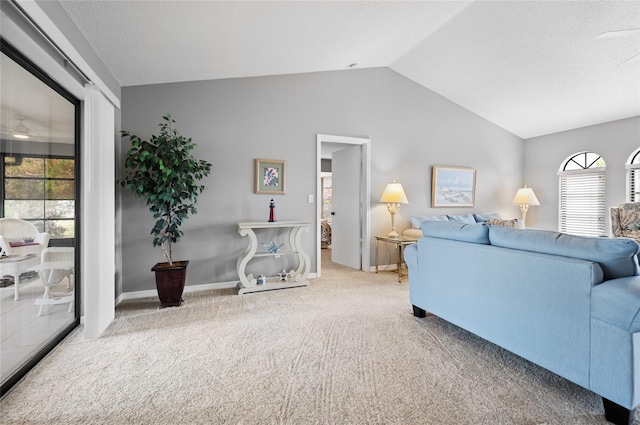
[(633, 177), (582, 195)]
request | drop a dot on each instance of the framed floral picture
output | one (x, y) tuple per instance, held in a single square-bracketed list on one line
[(453, 187), (270, 176)]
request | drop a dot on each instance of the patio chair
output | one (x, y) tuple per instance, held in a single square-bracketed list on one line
[(19, 237), (57, 263)]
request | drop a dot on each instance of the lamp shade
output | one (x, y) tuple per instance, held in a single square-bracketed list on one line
[(525, 196), (394, 194)]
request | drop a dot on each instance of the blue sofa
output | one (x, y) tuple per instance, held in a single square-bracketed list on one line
[(570, 304)]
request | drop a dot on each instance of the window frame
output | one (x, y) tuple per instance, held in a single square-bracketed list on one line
[(599, 183), (44, 178)]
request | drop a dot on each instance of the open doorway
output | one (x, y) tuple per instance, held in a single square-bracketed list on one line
[(348, 220)]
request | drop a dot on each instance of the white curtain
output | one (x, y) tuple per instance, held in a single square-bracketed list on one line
[(98, 213)]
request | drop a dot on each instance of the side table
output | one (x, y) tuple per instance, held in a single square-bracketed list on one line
[(15, 265), (399, 243)]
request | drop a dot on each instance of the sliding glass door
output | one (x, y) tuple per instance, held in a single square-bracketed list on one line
[(39, 168)]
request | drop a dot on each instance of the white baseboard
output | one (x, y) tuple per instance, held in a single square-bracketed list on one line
[(187, 289)]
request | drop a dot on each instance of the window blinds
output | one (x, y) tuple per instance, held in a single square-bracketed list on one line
[(582, 202), (633, 182)]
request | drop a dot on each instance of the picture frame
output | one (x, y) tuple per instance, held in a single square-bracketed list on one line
[(270, 176), (453, 187)]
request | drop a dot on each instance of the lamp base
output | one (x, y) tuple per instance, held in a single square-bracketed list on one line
[(393, 208), (393, 234), (523, 210)]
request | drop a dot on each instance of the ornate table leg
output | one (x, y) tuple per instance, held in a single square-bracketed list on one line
[(304, 263), (247, 281)]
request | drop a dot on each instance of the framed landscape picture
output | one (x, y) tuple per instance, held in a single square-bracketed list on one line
[(270, 176), (453, 186)]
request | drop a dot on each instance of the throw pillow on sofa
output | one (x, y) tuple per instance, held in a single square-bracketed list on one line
[(506, 223), (416, 220), (480, 218), (468, 218), (457, 231)]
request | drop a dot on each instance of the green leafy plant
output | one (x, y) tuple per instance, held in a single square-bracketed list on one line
[(163, 171)]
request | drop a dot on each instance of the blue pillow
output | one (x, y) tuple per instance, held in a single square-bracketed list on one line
[(617, 257), (482, 218), (457, 231), (469, 218), (416, 220)]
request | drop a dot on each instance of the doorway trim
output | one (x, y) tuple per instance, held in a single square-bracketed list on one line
[(365, 193)]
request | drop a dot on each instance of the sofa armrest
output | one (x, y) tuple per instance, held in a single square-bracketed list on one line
[(411, 256), (617, 302), (615, 341)]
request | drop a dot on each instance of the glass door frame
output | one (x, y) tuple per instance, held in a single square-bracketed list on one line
[(30, 67)]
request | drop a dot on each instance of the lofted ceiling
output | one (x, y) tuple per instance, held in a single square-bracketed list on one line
[(531, 67)]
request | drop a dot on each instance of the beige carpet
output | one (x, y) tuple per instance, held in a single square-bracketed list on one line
[(345, 350)]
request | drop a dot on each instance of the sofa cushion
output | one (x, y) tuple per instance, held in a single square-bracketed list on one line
[(457, 231), (617, 257), (416, 220), (616, 302), (19, 244), (482, 218), (468, 218)]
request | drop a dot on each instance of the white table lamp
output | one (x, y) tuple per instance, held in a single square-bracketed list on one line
[(525, 197), (393, 195)]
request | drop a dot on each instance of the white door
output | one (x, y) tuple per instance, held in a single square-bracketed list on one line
[(346, 227)]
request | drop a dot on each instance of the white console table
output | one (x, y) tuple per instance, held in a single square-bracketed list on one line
[(296, 277)]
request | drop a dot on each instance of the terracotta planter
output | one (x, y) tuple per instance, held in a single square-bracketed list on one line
[(170, 282)]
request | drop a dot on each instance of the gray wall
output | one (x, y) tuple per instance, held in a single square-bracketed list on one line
[(235, 121), (543, 156)]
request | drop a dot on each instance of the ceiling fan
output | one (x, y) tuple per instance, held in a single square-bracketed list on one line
[(20, 131), (623, 33)]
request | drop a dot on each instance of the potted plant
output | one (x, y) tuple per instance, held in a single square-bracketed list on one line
[(164, 172)]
